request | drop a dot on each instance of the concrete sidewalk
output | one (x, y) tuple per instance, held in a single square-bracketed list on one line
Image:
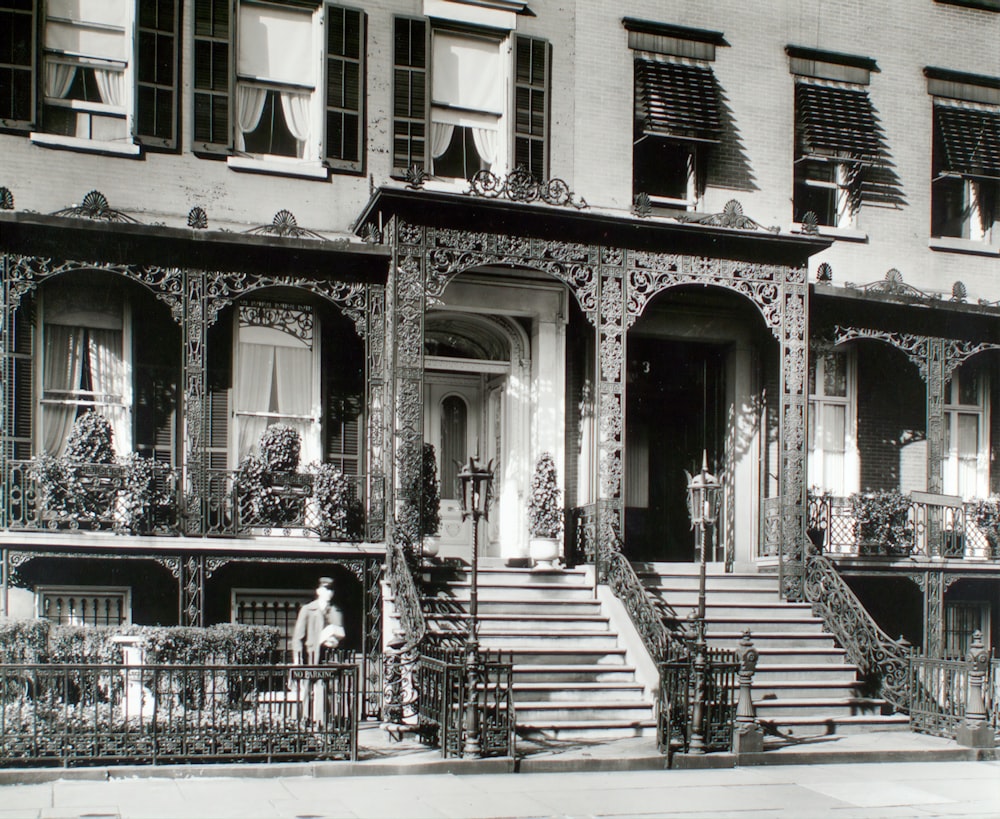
[(846, 791)]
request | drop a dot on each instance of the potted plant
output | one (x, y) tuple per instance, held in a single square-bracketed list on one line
[(336, 505), (267, 484), (430, 503), (986, 513), (545, 513), (882, 522)]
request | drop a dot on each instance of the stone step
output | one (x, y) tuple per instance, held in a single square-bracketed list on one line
[(555, 655), (565, 730), (804, 726), (766, 642), (776, 673), (512, 577), (624, 711), (576, 691), (570, 674), (567, 608), (541, 624), (539, 591), (799, 689), (515, 640), (817, 706), (763, 627), (682, 604), (798, 655)]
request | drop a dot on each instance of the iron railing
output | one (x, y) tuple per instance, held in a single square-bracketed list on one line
[(662, 642), (934, 526), (101, 496), (938, 691), (74, 715), (88, 496), (443, 687), (675, 719), (878, 657)]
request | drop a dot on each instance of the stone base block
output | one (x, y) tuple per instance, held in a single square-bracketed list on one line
[(748, 740), (975, 736)]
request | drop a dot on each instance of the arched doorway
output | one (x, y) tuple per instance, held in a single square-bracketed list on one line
[(473, 408), (698, 364)]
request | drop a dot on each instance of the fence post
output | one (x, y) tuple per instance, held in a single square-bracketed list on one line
[(976, 732), (748, 738)]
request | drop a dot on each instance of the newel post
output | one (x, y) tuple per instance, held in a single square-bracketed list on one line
[(748, 738), (976, 732)]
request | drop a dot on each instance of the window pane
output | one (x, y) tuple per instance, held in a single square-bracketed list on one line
[(660, 168), (968, 387), (454, 439), (834, 427), (835, 374)]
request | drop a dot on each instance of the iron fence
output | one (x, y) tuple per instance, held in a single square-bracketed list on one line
[(75, 715), (442, 684), (938, 690), (934, 527), (678, 683)]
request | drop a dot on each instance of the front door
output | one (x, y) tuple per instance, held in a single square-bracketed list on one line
[(455, 419), (676, 411)]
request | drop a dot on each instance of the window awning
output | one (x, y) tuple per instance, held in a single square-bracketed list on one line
[(677, 100), (833, 121), (969, 140)]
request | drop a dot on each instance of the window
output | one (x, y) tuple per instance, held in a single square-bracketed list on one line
[(291, 96), (965, 186), (839, 151), (84, 605), (451, 112), (454, 443), (961, 619), (276, 376), (266, 607), (86, 363), (833, 459), (677, 111), (94, 91), (965, 444)]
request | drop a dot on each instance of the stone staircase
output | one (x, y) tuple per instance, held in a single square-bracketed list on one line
[(804, 685), (572, 672)]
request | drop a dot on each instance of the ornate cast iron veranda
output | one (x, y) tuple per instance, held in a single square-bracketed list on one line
[(195, 299), (613, 286)]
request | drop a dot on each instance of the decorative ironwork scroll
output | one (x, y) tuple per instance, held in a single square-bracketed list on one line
[(192, 594), (732, 216), (285, 226), (875, 654), (520, 186), (934, 614), (94, 205), (379, 434)]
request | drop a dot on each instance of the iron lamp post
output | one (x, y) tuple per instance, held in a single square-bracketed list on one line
[(475, 485), (703, 492)]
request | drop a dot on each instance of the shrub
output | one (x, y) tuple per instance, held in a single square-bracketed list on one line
[(881, 521), (24, 641), (143, 493), (986, 513), (90, 440), (338, 509), (545, 512), (280, 448)]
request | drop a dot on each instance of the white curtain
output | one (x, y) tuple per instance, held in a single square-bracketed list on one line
[(249, 107), (253, 392), (111, 85), (58, 79), (441, 133), (295, 107), (293, 371), (63, 369), (107, 377), (485, 140)]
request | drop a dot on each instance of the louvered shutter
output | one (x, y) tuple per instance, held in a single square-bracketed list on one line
[(532, 70), (18, 58), (157, 81), (213, 27), (345, 88), (409, 94)]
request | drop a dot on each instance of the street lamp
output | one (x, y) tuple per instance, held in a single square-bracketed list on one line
[(703, 492), (475, 486)]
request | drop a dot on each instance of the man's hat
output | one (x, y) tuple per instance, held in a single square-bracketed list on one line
[(325, 583)]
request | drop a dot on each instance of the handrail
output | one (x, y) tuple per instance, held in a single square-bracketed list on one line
[(662, 642), (873, 651), (405, 595)]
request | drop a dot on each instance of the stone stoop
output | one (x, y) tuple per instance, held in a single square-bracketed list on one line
[(804, 685), (572, 675)]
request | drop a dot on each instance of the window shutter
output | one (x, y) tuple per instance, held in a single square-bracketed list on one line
[(531, 105), (18, 22), (409, 94), (345, 88), (213, 27), (156, 98), (20, 394)]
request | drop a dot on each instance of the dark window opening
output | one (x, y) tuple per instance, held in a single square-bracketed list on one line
[(661, 168), (460, 159), (271, 136)]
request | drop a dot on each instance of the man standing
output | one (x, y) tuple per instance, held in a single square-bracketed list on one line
[(319, 628)]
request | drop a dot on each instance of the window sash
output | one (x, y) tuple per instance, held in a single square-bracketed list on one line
[(157, 68), (18, 58)]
